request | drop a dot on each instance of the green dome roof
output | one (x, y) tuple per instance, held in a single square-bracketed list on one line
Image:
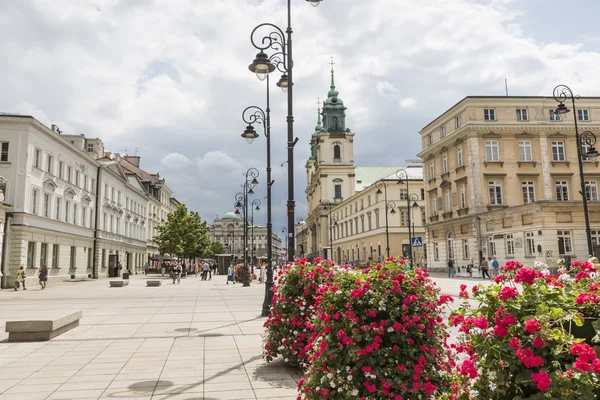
[(230, 215)]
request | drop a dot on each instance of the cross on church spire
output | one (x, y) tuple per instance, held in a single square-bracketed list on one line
[(332, 64)]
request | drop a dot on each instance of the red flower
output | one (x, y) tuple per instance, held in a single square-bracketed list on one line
[(467, 368), (526, 276), (538, 342), (370, 386), (532, 326), (541, 380), (515, 343), (587, 298), (507, 293)]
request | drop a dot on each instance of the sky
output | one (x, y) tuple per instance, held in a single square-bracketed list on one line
[(167, 80)]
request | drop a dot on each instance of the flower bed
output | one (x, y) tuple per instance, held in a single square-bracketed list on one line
[(378, 334), (293, 304), (514, 341)]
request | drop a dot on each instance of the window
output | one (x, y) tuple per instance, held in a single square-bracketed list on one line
[(591, 190), (44, 254), (522, 114), (443, 131), (465, 246), (562, 190), (429, 140), (558, 151), (528, 188), (583, 115), (37, 160), (34, 202), (458, 122), (554, 116), (55, 250), (76, 178), (67, 211), (495, 188), (489, 114), (492, 246), (119, 199), (436, 252), (529, 244), (564, 243), (61, 167), (403, 218), (112, 194), (434, 208), (46, 205), (377, 219), (50, 164), (445, 164), (30, 254), (4, 152), (369, 221), (57, 217), (106, 191), (70, 174), (595, 238), (72, 261), (432, 169), (525, 150), (90, 147), (75, 213), (337, 152), (422, 194), (463, 196), (510, 245), (492, 151), (459, 157), (85, 182), (83, 216), (447, 201), (338, 191), (403, 194), (93, 186)]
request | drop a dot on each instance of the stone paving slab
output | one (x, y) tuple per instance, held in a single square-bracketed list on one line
[(195, 340)]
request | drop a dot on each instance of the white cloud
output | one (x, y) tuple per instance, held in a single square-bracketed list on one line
[(175, 161), (385, 88), (407, 102)]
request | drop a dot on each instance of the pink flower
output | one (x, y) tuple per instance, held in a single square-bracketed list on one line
[(467, 368), (507, 293), (526, 276), (541, 380), (538, 342), (532, 326), (515, 343), (371, 388)]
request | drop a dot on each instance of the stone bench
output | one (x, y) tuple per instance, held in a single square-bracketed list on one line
[(153, 283), (42, 329), (119, 283)]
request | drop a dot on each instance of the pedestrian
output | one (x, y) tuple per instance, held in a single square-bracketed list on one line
[(450, 268), (163, 268), (196, 268), (43, 276), (20, 278), (485, 270), (146, 269), (204, 270), (214, 268), (230, 276), (495, 267), (209, 272), (177, 274)]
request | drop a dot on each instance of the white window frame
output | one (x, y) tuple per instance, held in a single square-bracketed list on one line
[(84, 217), (337, 194), (4, 151), (47, 205), (75, 213), (489, 114), (459, 157), (530, 250), (458, 121), (463, 196), (492, 247), (61, 169), (429, 140), (58, 201), (434, 209), (559, 154), (50, 164), (565, 235), (583, 114), (37, 158), (554, 116), (492, 151), (445, 163), (403, 193), (528, 191), (525, 151), (436, 251), (448, 201), (90, 147), (595, 237), (522, 114), (67, 209), (35, 195), (443, 131), (495, 192), (431, 169), (510, 245), (561, 189), (591, 190)]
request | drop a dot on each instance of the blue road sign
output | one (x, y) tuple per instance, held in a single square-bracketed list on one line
[(417, 241)]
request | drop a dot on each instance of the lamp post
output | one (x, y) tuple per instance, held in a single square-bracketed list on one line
[(262, 66), (561, 94), (251, 115), (329, 205), (379, 184), (403, 177), (231, 234), (300, 221), (242, 203), (285, 231), (255, 207)]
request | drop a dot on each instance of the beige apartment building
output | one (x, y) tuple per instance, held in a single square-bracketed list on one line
[(349, 201), (502, 180)]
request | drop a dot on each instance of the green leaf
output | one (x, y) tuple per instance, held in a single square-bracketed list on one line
[(578, 319)]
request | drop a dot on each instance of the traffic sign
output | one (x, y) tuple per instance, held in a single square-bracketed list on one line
[(417, 241)]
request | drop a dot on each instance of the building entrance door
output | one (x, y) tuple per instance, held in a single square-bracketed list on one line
[(112, 266)]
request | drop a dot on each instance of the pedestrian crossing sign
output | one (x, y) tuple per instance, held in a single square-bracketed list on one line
[(417, 241)]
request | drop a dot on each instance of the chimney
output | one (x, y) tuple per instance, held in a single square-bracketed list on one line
[(135, 160)]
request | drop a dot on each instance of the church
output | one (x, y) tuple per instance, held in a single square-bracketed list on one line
[(357, 213)]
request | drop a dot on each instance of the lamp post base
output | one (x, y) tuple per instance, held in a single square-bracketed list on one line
[(266, 307), (245, 284)]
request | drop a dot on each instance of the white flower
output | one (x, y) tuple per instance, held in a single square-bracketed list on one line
[(390, 329), (329, 375), (349, 377), (332, 384), (354, 392)]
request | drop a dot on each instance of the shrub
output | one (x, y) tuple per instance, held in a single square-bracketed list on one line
[(293, 305), (378, 334), (514, 341)]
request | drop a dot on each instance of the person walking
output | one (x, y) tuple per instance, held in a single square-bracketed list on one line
[(495, 267), (485, 270), (177, 274), (43, 276), (204, 270), (163, 268), (450, 268), (230, 276), (20, 279), (146, 269)]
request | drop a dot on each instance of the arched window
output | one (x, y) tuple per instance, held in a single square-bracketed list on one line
[(337, 151)]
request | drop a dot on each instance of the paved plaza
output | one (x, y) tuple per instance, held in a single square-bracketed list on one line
[(195, 340)]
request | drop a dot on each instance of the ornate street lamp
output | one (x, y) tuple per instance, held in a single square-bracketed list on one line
[(241, 207), (379, 184), (255, 207), (561, 94), (403, 177), (276, 40)]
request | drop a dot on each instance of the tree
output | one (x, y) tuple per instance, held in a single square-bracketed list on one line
[(213, 249)]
